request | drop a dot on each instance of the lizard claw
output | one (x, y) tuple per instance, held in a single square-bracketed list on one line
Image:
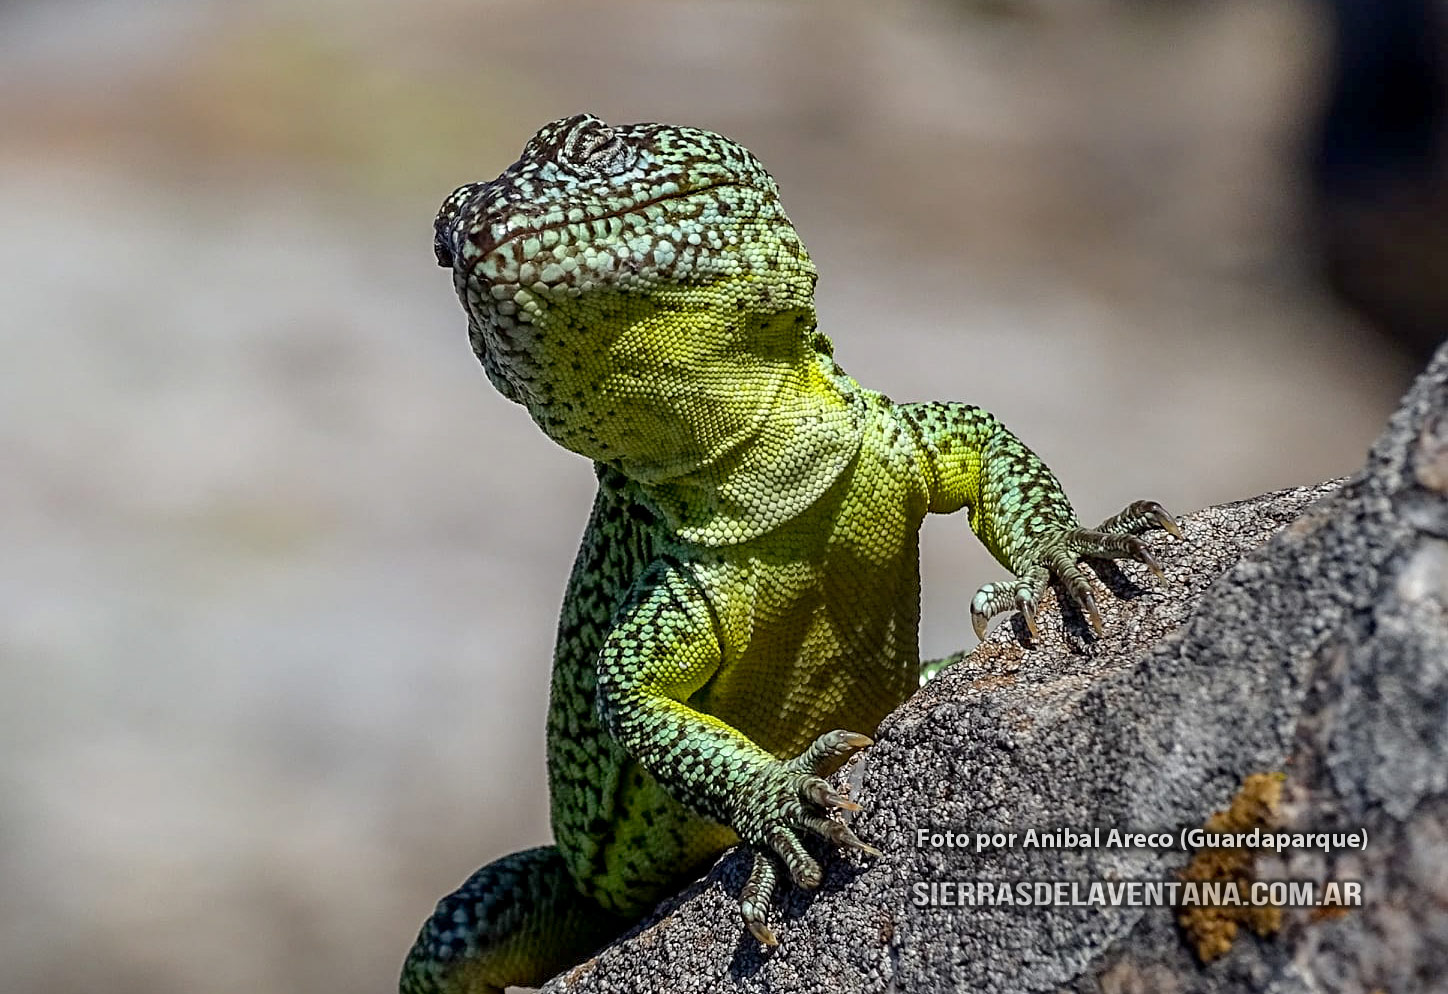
[(1165, 521), (1078, 588), (850, 840), (1022, 594), (825, 796), (978, 620), (1093, 615), (840, 834), (1143, 555), (762, 932), (1027, 606)]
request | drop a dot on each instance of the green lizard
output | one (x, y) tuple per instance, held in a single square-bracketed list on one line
[(747, 594)]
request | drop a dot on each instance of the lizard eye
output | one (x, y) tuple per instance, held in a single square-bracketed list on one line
[(593, 148)]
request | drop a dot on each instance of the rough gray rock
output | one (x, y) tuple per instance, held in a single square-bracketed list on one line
[(1322, 653)]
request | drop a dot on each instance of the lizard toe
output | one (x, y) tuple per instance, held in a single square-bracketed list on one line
[(839, 833), (758, 893), (1140, 516), (828, 753), (803, 868), (1021, 594)]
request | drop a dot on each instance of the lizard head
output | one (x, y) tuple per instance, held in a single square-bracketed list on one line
[(638, 288)]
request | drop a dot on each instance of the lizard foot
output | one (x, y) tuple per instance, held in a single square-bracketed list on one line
[(792, 799), (1058, 552)]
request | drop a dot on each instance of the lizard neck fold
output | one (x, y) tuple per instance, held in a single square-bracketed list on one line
[(792, 454)]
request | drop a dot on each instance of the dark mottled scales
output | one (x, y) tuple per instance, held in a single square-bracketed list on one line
[(746, 600)]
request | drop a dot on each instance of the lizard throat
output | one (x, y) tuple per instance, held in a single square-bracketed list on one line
[(777, 469)]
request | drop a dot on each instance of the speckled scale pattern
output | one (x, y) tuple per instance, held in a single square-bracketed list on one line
[(1014, 500), (491, 931), (746, 600)]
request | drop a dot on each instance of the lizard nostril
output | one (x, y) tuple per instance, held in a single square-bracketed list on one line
[(443, 225), (442, 250)]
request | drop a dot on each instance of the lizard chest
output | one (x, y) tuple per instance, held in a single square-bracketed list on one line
[(819, 620)]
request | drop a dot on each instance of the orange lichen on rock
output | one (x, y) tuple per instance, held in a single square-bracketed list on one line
[(1211, 930)]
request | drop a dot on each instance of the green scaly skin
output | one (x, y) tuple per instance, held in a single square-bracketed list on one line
[(748, 586)]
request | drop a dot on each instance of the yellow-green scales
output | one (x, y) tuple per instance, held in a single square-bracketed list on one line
[(746, 601)]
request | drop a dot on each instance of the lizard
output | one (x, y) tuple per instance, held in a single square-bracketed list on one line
[(745, 604)]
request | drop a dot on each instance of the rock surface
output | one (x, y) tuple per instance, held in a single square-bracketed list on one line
[(1322, 654)]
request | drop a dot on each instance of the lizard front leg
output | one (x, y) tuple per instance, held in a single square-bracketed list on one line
[(664, 646), (1020, 512)]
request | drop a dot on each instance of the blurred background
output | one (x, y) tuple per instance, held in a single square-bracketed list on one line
[(279, 572)]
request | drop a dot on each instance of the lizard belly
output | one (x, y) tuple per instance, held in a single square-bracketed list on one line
[(816, 649)]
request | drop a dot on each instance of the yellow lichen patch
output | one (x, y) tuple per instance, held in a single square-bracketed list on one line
[(1211, 930)]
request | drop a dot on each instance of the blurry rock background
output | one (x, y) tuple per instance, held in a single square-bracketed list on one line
[(278, 570), (1378, 219)]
